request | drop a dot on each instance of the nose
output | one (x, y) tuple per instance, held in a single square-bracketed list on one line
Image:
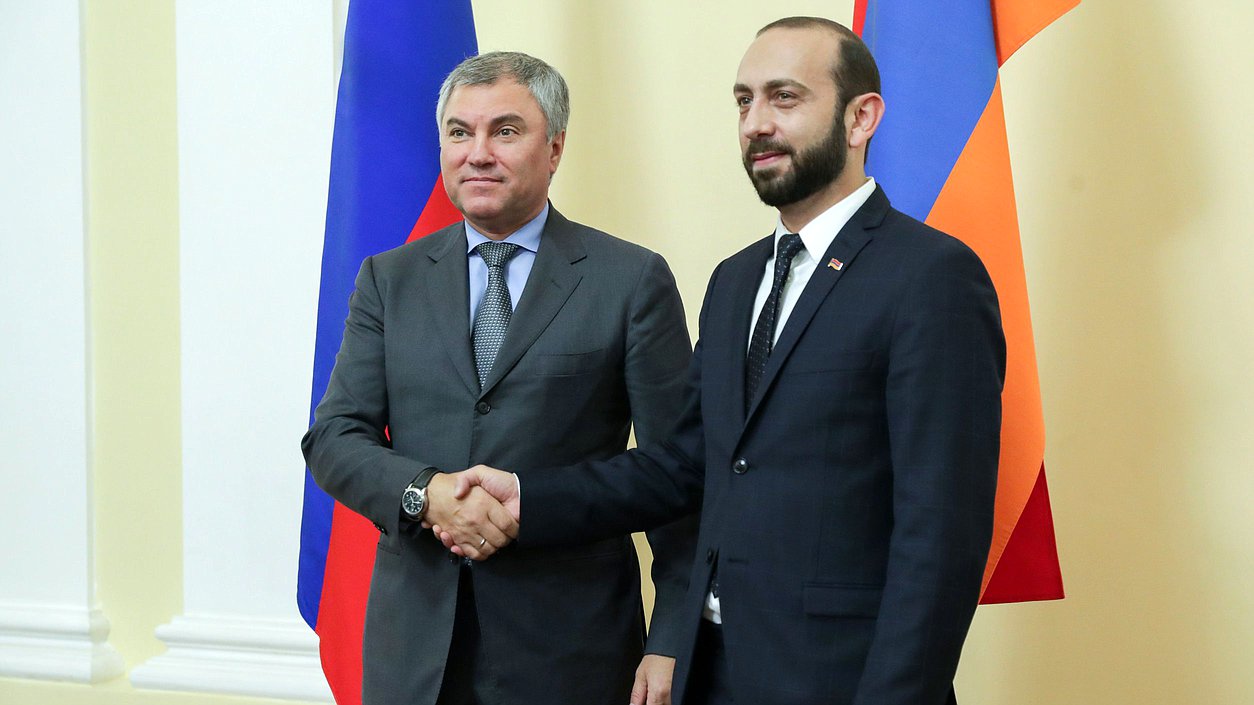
[(481, 151), (757, 121)]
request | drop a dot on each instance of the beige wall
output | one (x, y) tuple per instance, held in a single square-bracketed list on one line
[(1129, 130), (1130, 138), (133, 272)]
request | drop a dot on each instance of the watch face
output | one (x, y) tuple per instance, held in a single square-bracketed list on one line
[(412, 501)]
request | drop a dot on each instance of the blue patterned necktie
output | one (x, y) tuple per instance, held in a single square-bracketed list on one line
[(764, 332), (495, 308)]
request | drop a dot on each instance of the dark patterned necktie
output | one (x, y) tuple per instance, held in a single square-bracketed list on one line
[(764, 332), (495, 308)]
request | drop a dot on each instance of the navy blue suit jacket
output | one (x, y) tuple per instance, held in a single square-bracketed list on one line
[(850, 510)]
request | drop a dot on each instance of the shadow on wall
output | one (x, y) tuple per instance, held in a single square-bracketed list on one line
[(1114, 197)]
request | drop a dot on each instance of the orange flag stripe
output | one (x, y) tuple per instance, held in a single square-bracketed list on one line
[(1017, 21), (977, 205)]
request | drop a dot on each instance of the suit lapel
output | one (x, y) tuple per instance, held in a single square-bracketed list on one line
[(844, 249), (549, 285), (745, 273), (448, 275)]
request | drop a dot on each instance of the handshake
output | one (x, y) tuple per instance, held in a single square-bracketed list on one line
[(474, 513)]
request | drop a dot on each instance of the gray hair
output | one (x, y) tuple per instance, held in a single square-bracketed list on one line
[(543, 81)]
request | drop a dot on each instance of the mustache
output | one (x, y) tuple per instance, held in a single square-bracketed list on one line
[(763, 146)]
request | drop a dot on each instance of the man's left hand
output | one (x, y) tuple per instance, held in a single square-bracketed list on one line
[(653, 681)]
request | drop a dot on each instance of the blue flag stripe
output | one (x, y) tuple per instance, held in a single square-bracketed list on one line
[(938, 65), (384, 165)]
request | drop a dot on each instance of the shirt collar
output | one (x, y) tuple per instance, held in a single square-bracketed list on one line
[(526, 237), (818, 234)]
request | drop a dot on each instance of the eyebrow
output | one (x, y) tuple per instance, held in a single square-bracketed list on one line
[(772, 85), (506, 118), (498, 120)]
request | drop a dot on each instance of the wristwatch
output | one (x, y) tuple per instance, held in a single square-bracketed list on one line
[(414, 499)]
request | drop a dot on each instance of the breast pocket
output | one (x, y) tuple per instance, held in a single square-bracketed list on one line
[(569, 364)]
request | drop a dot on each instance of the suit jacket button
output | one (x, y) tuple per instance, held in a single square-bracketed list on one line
[(709, 555), (741, 466), (483, 407)]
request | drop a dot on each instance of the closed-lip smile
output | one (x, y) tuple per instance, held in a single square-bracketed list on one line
[(763, 158)]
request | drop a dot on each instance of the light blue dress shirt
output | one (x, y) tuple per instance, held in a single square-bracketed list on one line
[(516, 270)]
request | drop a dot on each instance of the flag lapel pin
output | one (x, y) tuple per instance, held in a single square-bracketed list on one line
[(836, 264)]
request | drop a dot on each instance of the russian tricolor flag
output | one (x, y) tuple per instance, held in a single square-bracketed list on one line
[(385, 190), (941, 151)]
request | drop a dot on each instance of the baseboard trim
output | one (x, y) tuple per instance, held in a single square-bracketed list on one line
[(259, 657), (56, 642)]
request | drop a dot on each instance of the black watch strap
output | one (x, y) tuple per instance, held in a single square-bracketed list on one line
[(423, 478)]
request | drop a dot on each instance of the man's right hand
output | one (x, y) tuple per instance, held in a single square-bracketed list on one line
[(469, 522), (481, 479)]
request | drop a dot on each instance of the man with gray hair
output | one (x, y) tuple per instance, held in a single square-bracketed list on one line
[(513, 338)]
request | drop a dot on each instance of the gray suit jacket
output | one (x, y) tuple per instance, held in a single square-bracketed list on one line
[(598, 342)]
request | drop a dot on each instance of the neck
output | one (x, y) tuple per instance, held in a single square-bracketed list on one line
[(496, 233), (502, 228), (796, 216)]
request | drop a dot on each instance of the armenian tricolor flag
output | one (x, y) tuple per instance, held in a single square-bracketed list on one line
[(385, 189), (942, 153)]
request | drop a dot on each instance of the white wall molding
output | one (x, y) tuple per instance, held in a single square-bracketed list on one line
[(270, 658), (56, 643), (48, 625), (256, 98)]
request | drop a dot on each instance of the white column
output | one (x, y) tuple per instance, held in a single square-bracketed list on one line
[(49, 624), (255, 109)]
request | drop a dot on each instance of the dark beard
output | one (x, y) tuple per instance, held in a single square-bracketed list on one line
[(812, 169)]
